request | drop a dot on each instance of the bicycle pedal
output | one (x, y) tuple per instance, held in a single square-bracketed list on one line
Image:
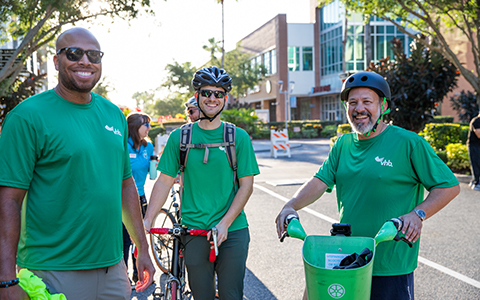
[(157, 295)]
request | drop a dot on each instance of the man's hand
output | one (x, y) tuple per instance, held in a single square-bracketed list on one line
[(280, 220), (145, 272), (412, 226)]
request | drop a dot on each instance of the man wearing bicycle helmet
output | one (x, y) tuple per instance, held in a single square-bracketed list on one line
[(210, 198), (380, 172), (191, 110)]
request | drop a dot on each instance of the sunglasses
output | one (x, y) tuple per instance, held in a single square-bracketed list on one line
[(76, 54), (147, 125), (192, 111), (208, 93)]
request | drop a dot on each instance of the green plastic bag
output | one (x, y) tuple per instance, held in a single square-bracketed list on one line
[(35, 288)]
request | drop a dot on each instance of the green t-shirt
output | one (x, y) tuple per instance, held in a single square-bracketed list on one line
[(208, 188), (381, 178), (72, 159)]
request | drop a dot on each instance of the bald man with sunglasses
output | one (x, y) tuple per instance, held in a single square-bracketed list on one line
[(66, 185)]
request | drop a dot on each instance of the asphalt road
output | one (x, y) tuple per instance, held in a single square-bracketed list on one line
[(449, 266)]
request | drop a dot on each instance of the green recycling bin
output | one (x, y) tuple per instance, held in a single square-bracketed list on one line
[(321, 253)]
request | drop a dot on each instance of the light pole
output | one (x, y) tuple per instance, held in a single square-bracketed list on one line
[(286, 95)]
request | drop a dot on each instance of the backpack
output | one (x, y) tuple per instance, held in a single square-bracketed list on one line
[(228, 143)]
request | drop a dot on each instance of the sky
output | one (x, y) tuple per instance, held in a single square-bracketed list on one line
[(137, 52)]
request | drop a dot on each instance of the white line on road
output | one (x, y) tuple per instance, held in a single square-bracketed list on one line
[(424, 261)]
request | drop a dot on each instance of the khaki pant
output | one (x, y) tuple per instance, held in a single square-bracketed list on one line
[(96, 284)]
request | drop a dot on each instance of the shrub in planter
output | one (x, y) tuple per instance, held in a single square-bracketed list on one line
[(440, 135), (457, 155), (343, 129), (329, 131)]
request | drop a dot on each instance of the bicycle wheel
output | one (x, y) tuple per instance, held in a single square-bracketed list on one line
[(161, 244)]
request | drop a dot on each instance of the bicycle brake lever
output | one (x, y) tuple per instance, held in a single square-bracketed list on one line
[(214, 234), (284, 235), (398, 238)]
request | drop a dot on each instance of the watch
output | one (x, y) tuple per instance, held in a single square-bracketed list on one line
[(420, 213)]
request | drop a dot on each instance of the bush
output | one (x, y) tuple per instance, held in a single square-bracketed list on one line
[(458, 159), (442, 119), (329, 131), (344, 128), (154, 131), (243, 118), (440, 135)]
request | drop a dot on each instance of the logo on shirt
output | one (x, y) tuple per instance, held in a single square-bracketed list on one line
[(221, 148), (115, 131), (384, 162)]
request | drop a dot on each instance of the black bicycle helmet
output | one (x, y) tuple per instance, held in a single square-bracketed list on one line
[(366, 79), (212, 76)]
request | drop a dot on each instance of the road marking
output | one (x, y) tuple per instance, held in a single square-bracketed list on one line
[(422, 260)]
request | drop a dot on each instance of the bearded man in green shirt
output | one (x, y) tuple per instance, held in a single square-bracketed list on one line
[(380, 172)]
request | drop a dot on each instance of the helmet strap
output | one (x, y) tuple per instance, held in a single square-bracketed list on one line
[(205, 117), (379, 118)]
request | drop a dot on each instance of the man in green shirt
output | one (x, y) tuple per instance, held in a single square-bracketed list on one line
[(66, 185), (380, 172), (210, 198)]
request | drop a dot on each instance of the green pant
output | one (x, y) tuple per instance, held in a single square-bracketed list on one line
[(230, 266)]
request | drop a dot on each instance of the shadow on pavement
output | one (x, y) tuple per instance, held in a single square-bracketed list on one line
[(253, 290)]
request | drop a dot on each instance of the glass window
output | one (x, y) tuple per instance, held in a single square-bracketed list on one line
[(350, 29), (360, 66), (359, 29), (267, 62), (349, 67), (293, 58), (349, 48), (380, 29), (389, 46), (359, 48), (307, 58), (380, 52), (273, 56), (390, 29)]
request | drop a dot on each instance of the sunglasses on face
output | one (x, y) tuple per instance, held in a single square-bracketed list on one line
[(192, 111), (208, 93), (147, 125), (76, 54)]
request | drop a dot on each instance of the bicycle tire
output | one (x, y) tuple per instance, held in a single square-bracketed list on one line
[(161, 245)]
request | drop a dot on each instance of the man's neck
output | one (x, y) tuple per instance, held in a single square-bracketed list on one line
[(380, 128), (207, 125), (72, 96)]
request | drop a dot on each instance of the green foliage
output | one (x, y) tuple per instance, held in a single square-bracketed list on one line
[(442, 119), (171, 105), (243, 118), (417, 83), (329, 131), (466, 105), (23, 87), (103, 88), (154, 131), (180, 77), (38, 22), (433, 19), (344, 128), (457, 155), (440, 135)]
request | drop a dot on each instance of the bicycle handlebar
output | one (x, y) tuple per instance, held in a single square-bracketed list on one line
[(182, 231)]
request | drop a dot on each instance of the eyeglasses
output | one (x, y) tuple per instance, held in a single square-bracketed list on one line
[(208, 93), (147, 125), (76, 54)]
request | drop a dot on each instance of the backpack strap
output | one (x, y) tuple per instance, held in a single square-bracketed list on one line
[(185, 142), (229, 139)]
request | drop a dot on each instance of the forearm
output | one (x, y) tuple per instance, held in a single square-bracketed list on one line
[(438, 199), (159, 196), (238, 204), (10, 205), (307, 194), (131, 214)]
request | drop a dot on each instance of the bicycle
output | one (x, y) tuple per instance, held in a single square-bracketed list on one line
[(331, 270), (167, 250)]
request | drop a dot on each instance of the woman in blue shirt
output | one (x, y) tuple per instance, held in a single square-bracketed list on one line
[(141, 150)]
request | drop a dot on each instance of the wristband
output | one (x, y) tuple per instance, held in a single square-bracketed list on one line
[(5, 284)]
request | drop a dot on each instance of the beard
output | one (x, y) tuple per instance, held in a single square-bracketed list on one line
[(362, 128), (68, 82)]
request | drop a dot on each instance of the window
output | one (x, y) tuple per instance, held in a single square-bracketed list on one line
[(307, 59), (293, 58), (332, 109), (267, 63), (273, 56)]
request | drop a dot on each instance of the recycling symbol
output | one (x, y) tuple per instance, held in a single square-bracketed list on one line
[(336, 291)]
